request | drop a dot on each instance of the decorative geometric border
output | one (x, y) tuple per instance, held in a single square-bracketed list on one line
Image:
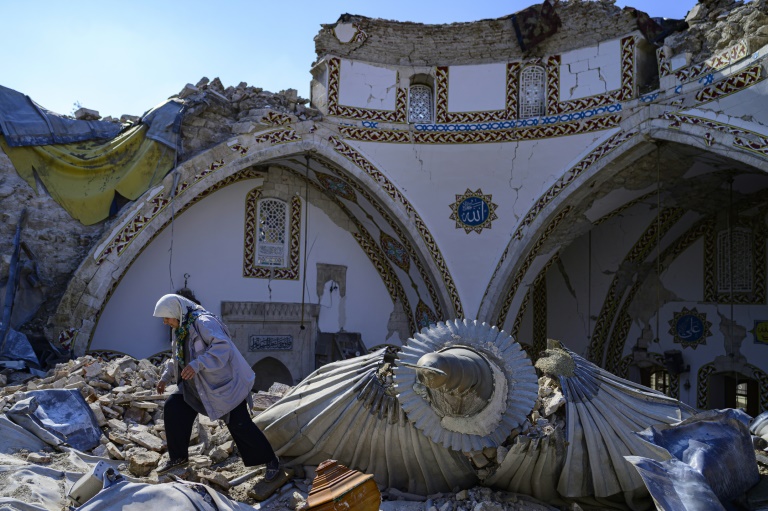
[(702, 385), (276, 118), (278, 136), (539, 315), (554, 106), (367, 243), (584, 164), (443, 116), (658, 360), (250, 268), (390, 189), (395, 228), (399, 115), (758, 295), (690, 73), (623, 93), (734, 83), (246, 173), (637, 254), (624, 321), (477, 134), (532, 254), (754, 141), (128, 233)]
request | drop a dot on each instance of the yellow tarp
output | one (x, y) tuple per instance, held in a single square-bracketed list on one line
[(83, 177)]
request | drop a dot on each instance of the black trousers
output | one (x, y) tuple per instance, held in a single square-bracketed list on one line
[(179, 418)]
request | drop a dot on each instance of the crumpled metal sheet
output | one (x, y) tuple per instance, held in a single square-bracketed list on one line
[(759, 426), (57, 416), (715, 443), (344, 412), (676, 486), (602, 413)]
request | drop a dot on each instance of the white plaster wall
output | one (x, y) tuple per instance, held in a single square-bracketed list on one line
[(207, 243), (568, 301), (365, 86), (477, 88), (591, 70), (685, 275), (746, 108), (515, 174)]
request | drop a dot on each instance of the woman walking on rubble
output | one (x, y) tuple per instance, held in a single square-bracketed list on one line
[(213, 379)]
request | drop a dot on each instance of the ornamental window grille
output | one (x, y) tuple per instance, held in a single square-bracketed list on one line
[(271, 233), (737, 258), (532, 92), (419, 104)]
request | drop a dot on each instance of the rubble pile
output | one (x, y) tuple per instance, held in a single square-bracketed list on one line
[(121, 393), (546, 419), (213, 113), (715, 25)]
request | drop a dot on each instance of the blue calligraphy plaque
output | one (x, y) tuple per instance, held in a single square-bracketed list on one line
[(473, 211)]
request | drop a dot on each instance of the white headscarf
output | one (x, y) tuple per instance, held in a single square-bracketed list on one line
[(174, 306)]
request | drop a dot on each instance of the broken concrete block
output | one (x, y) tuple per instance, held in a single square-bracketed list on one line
[(218, 454), (133, 119), (214, 477), (118, 438), (114, 452), (101, 451), (96, 409), (147, 440), (85, 114), (142, 462), (200, 461), (552, 403), (188, 90)]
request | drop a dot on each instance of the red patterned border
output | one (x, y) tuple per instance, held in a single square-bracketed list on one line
[(625, 92), (733, 83), (386, 185), (275, 137), (586, 162)]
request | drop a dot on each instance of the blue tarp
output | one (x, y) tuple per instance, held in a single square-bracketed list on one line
[(24, 122)]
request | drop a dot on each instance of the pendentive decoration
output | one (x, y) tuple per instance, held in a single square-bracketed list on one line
[(690, 328), (473, 211)]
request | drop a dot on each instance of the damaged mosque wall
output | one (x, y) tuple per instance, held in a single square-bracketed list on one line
[(598, 182)]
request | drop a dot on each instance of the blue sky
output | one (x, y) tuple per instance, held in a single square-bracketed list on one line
[(126, 57)]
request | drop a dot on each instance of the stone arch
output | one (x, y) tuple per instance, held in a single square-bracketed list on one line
[(136, 227), (528, 251), (269, 370)]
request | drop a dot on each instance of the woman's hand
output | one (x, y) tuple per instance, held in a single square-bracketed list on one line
[(160, 387), (187, 373)]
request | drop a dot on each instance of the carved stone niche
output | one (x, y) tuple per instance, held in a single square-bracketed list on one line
[(271, 337)]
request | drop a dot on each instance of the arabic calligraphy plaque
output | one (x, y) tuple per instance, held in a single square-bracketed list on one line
[(473, 211), (270, 343), (690, 328)]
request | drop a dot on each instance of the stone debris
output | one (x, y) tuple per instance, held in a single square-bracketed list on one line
[(214, 113), (86, 114), (121, 394)]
